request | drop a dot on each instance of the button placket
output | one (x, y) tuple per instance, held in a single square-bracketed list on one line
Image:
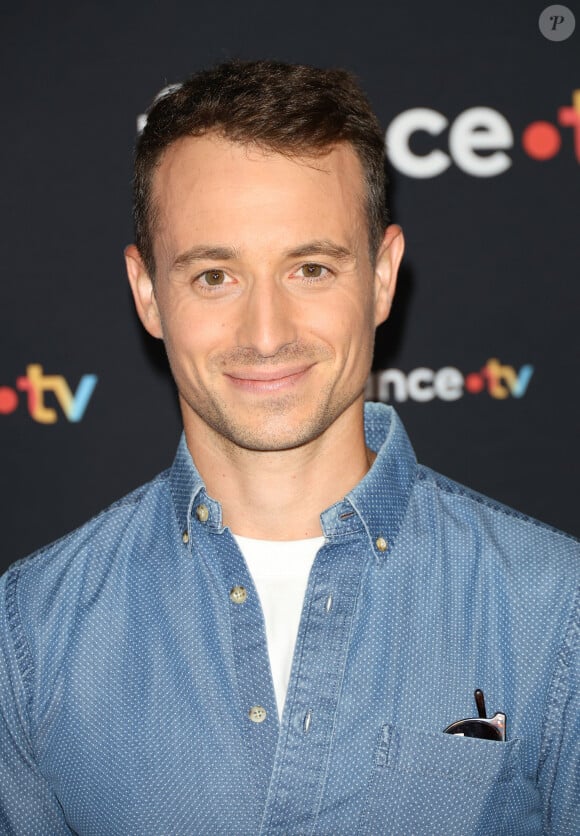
[(315, 686), (255, 698)]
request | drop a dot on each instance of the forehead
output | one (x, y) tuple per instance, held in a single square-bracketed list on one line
[(209, 185)]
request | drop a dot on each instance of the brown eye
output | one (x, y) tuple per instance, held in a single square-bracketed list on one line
[(214, 277), (312, 271)]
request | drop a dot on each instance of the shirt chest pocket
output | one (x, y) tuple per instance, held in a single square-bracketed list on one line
[(431, 782)]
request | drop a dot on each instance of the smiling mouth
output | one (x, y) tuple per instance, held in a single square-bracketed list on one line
[(267, 380)]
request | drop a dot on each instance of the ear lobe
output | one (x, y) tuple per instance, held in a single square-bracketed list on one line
[(143, 292), (386, 270)]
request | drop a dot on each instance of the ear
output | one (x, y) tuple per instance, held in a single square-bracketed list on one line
[(386, 268), (143, 292)]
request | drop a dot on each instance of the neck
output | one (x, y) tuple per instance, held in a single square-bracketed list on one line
[(280, 495)]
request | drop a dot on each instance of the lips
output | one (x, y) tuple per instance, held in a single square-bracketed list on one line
[(268, 380)]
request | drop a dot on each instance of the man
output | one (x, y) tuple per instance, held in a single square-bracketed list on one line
[(274, 635)]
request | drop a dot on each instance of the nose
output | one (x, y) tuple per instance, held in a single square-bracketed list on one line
[(267, 319)]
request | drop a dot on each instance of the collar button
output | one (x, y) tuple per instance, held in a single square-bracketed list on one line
[(202, 513)]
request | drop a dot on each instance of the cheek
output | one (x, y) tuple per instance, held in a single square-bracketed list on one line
[(350, 337), (351, 324), (358, 329), (190, 332)]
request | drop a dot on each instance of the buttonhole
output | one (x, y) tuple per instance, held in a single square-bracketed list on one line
[(307, 721), (346, 515), (328, 604)]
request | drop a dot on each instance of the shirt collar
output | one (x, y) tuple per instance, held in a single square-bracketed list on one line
[(188, 490), (380, 500), (378, 503)]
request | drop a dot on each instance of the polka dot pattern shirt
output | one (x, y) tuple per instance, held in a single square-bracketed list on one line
[(136, 694)]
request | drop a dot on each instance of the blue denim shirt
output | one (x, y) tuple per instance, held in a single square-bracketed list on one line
[(136, 695)]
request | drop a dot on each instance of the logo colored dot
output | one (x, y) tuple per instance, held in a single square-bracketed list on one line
[(8, 400), (541, 140), (474, 383)]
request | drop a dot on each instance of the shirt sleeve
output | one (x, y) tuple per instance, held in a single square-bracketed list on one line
[(559, 775), (28, 807)]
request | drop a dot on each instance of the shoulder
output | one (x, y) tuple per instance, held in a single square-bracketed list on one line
[(57, 601), (472, 507), (76, 561), (529, 559), (512, 576)]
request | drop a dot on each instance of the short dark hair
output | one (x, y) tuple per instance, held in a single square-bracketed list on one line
[(286, 108)]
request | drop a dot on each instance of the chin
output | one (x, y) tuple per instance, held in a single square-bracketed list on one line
[(280, 424), (269, 439), (271, 431), (283, 430)]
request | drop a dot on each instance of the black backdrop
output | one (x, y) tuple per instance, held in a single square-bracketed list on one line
[(491, 271)]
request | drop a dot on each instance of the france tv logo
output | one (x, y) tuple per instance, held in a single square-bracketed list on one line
[(423, 384), (478, 140), (35, 385)]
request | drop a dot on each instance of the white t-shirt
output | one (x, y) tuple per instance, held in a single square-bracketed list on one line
[(280, 572)]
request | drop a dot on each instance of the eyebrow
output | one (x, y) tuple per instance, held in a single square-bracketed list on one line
[(318, 246), (204, 251)]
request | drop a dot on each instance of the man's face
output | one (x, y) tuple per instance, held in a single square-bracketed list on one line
[(264, 294)]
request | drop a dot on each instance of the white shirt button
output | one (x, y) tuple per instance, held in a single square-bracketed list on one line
[(238, 594), (257, 714), (202, 513)]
